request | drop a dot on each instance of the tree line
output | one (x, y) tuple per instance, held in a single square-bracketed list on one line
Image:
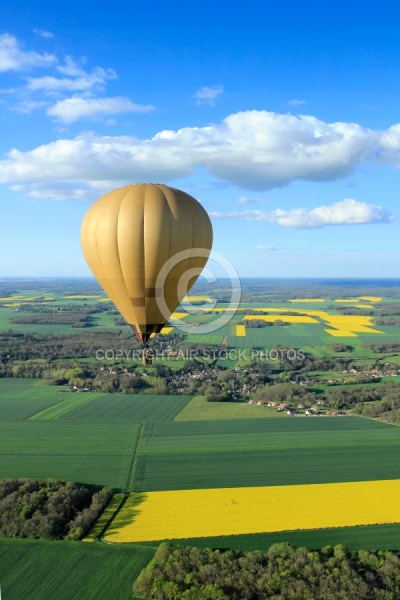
[(281, 573), (49, 509)]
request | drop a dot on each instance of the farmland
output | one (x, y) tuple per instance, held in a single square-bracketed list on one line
[(371, 537), (264, 452), (265, 467), (33, 569), (131, 408), (199, 409), (230, 511), (23, 398), (96, 453), (52, 405), (218, 462)]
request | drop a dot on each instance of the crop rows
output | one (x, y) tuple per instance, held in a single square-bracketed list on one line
[(271, 441), (245, 426), (370, 537), (88, 453), (67, 571), (67, 401), (265, 467), (138, 408)]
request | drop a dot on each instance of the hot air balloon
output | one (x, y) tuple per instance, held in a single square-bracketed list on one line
[(130, 238)]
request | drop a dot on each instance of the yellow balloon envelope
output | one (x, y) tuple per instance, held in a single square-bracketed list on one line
[(130, 238)]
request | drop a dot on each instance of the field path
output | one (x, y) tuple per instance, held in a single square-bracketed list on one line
[(129, 484), (132, 467)]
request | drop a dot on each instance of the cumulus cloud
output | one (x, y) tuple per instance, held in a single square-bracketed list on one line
[(13, 58), (91, 159), (207, 95), (256, 150), (72, 109), (346, 212)]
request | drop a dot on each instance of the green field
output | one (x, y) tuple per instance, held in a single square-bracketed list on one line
[(199, 409), (67, 402), (266, 441), (138, 408), (148, 442), (23, 398), (90, 453), (266, 452), (371, 537), (295, 335), (40, 570)]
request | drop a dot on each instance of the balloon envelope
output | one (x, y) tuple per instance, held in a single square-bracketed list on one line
[(129, 235)]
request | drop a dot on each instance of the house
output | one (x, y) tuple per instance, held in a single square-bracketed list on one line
[(300, 406)]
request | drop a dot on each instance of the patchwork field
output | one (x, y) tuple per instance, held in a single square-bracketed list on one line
[(224, 474)]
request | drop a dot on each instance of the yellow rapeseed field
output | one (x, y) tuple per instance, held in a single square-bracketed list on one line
[(179, 315), (232, 511), (340, 333), (371, 298), (164, 331), (241, 330)]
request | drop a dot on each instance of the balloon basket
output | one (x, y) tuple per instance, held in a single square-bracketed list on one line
[(147, 357)]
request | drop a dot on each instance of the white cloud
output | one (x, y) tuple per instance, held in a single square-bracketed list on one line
[(44, 34), (256, 150), (92, 159), (74, 79), (207, 95), (13, 58), (64, 190), (72, 109), (346, 212), (297, 102), (27, 106), (246, 200)]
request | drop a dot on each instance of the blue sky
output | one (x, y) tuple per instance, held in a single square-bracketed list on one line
[(284, 121)]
